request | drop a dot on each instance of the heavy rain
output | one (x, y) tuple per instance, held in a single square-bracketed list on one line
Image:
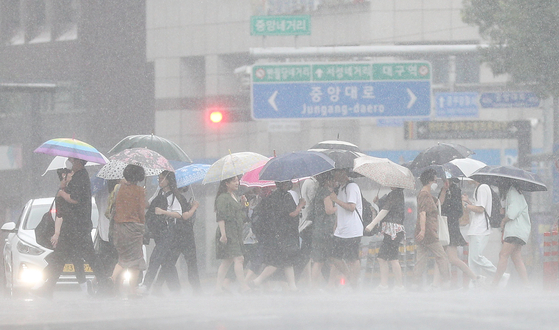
[(292, 164)]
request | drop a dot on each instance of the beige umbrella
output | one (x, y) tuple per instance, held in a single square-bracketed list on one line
[(385, 172), (231, 165)]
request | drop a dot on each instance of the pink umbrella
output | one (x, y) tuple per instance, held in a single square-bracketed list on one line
[(250, 178)]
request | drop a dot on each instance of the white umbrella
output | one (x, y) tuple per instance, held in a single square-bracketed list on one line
[(231, 165), (385, 172), (468, 165), (60, 162)]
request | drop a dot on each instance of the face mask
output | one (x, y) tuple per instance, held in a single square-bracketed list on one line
[(434, 186), (68, 164)]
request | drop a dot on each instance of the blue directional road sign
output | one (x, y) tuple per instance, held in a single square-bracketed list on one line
[(457, 104), (509, 100), (341, 90)]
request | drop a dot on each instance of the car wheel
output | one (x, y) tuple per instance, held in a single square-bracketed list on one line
[(8, 280)]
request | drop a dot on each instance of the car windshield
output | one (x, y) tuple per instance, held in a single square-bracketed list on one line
[(37, 211)]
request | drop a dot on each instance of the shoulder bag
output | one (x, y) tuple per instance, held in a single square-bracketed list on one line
[(444, 236)]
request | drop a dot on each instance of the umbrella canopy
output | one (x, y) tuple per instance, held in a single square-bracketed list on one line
[(231, 165), (384, 172), (524, 180), (251, 178), (190, 174), (342, 158), (335, 144), (439, 154), (60, 162), (164, 147), (445, 171), (296, 165), (467, 165), (71, 148), (152, 162)]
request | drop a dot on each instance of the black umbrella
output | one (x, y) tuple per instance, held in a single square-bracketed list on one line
[(440, 154), (164, 147), (524, 180), (335, 144)]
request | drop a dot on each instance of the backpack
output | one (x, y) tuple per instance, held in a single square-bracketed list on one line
[(367, 217), (494, 219)]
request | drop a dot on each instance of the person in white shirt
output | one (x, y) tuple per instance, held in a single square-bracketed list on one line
[(479, 228), (349, 227)]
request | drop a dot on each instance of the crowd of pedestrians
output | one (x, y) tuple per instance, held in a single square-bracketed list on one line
[(313, 239)]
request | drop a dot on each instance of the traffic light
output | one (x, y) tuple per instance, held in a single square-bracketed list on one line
[(216, 116)]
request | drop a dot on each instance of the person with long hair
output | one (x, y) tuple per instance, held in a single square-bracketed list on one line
[(516, 229), (391, 220), (230, 215), (164, 211), (451, 207), (128, 230), (322, 213)]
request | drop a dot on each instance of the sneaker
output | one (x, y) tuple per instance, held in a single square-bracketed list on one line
[(382, 289), (83, 288), (504, 280), (480, 282), (142, 289), (399, 289)]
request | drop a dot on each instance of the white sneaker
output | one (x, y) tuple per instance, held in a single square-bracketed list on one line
[(83, 288), (382, 289), (504, 280), (143, 289), (480, 282), (399, 289)]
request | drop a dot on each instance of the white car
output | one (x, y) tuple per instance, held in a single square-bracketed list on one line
[(24, 258)]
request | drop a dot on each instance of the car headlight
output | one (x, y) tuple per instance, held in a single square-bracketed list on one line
[(28, 249), (30, 274)]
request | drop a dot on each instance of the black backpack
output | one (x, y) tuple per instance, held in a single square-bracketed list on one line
[(494, 219), (367, 216)]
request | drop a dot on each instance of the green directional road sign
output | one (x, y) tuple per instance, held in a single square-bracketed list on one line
[(280, 25)]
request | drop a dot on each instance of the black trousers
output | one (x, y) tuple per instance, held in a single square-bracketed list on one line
[(183, 243), (161, 257), (74, 247)]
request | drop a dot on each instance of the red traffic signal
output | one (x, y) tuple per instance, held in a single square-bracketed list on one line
[(216, 116)]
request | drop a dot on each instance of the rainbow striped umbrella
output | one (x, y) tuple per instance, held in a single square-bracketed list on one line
[(71, 148)]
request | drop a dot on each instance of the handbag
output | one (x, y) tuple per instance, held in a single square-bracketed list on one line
[(111, 210), (444, 236), (45, 229)]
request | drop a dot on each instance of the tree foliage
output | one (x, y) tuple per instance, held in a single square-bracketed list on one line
[(523, 38)]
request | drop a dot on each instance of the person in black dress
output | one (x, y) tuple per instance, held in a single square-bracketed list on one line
[(282, 225)]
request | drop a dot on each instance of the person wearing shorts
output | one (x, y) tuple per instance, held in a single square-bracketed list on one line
[(391, 220), (349, 227), (516, 228)]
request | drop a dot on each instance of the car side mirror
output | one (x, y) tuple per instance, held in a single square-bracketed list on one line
[(9, 227)]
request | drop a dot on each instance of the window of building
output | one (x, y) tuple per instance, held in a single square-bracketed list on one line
[(37, 27), (10, 22), (193, 76), (65, 19)]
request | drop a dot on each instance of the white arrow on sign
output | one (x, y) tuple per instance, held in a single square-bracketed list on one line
[(318, 73), (272, 100), (413, 98)]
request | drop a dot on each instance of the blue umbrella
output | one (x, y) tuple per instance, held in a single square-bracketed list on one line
[(494, 175), (296, 165), (190, 174)]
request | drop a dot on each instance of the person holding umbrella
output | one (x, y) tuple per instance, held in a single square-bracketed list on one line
[(128, 232), (230, 215), (349, 227), (75, 233), (426, 229), (282, 244), (516, 229)]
